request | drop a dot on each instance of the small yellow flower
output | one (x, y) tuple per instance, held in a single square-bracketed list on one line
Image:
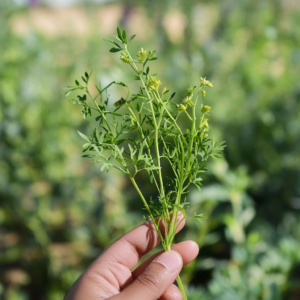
[(203, 135), (189, 91), (141, 55), (206, 126), (181, 107), (205, 82), (203, 94), (124, 57), (205, 108), (188, 101), (154, 83)]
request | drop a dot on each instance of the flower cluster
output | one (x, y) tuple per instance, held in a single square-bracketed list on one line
[(154, 83), (189, 91), (141, 55), (205, 82), (124, 57), (204, 123), (181, 107), (187, 100), (205, 108)]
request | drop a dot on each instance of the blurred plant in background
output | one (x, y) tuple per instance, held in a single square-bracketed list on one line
[(58, 212)]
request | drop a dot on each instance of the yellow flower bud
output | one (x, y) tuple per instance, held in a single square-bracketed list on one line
[(203, 135), (181, 107), (141, 54), (205, 82), (188, 101), (124, 57), (154, 83), (206, 126), (203, 94), (189, 91), (205, 108)]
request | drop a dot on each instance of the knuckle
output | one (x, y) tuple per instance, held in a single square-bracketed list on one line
[(151, 280)]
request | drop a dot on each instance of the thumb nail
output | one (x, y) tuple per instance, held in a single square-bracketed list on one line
[(171, 260)]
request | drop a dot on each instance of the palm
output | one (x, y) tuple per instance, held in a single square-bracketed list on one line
[(111, 273)]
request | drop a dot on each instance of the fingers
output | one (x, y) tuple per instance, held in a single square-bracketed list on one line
[(156, 279), (188, 250), (172, 293), (128, 249)]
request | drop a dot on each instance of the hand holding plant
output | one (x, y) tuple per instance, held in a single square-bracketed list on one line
[(148, 133), (110, 276)]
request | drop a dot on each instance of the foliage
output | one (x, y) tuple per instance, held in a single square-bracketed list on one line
[(117, 144), (250, 51)]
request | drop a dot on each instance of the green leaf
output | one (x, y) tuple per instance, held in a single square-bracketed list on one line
[(112, 43), (119, 34), (74, 101), (197, 179), (112, 113), (83, 79), (131, 38), (83, 136), (99, 91), (77, 82), (198, 217), (172, 96), (113, 50), (124, 37), (88, 156), (117, 38), (86, 146), (68, 93), (86, 75), (165, 91), (120, 141)]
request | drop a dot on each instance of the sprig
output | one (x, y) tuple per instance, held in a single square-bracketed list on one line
[(148, 133)]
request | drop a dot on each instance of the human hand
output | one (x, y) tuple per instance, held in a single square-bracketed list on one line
[(110, 276)]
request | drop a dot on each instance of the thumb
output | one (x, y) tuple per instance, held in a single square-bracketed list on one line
[(159, 275)]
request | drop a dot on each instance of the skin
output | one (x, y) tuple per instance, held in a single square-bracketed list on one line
[(110, 276)]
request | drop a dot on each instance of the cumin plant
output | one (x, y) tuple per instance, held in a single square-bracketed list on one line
[(146, 133)]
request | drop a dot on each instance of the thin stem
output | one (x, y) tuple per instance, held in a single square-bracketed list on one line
[(102, 114), (162, 192), (180, 285), (179, 191), (155, 124), (192, 132), (141, 131), (148, 210), (169, 115), (188, 115)]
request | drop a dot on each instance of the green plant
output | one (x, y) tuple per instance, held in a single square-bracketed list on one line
[(148, 133)]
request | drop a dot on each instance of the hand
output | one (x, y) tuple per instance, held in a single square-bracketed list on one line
[(110, 276)]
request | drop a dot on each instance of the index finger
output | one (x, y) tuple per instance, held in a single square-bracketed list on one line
[(128, 249)]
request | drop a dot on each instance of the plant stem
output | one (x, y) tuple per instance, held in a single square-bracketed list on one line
[(170, 116), (149, 211), (148, 149), (172, 230), (102, 114), (180, 285)]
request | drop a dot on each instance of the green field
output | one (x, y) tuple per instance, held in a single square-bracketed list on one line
[(58, 211)]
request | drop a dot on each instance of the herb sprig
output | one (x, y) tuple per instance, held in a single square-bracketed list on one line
[(147, 133)]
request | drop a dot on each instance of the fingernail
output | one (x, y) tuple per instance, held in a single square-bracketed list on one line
[(170, 260)]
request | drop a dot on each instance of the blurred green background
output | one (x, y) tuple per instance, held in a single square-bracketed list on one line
[(58, 211)]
